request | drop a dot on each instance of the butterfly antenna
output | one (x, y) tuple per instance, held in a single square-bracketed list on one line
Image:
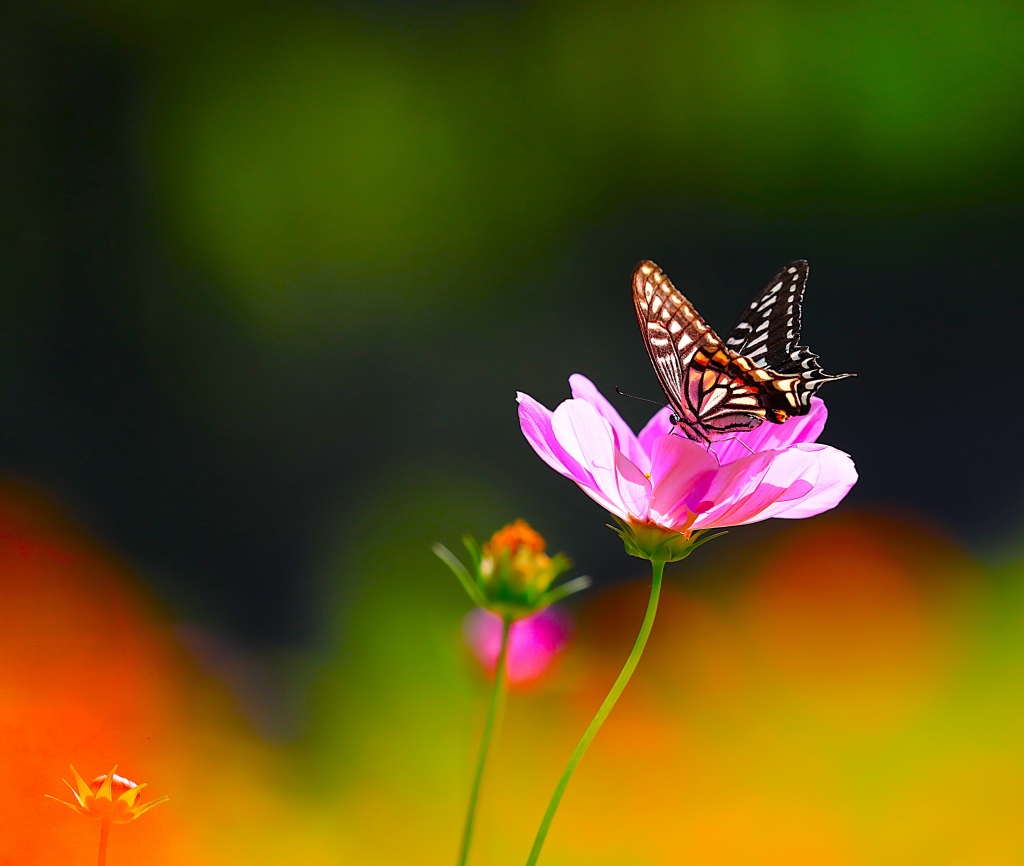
[(622, 393)]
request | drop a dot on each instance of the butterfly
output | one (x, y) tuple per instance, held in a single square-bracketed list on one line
[(760, 372)]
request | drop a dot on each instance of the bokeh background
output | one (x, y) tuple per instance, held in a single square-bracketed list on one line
[(271, 275)]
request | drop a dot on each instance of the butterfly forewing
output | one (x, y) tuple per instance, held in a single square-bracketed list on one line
[(711, 390)]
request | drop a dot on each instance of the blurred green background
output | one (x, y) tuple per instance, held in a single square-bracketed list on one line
[(273, 270), (261, 258)]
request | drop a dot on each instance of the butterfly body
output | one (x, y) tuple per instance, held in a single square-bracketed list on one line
[(718, 388)]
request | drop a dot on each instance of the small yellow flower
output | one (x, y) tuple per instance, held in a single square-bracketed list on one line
[(96, 799), (512, 573)]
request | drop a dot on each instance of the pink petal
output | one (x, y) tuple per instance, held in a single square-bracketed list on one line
[(659, 425), (836, 475), (533, 642), (625, 438), (634, 487), (776, 483), (775, 437), (681, 471), (791, 475), (590, 440), (730, 487), (535, 421)]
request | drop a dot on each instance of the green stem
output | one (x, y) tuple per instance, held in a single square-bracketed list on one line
[(497, 692), (658, 569), (104, 835)]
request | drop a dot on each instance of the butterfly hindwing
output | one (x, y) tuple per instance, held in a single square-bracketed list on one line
[(769, 329), (768, 333)]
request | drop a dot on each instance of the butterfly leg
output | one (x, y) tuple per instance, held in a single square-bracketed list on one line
[(723, 441), (744, 444)]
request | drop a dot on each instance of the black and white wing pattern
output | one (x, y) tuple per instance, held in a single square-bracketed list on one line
[(716, 388), (768, 332), (770, 325), (712, 390)]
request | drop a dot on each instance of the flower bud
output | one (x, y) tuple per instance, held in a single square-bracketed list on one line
[(514, 560), (513, 575), (108, 797)]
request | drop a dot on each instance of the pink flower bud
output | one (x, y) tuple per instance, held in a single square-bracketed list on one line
[(534, 641)]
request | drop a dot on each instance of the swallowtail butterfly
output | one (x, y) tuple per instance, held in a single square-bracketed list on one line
[(759, 372)]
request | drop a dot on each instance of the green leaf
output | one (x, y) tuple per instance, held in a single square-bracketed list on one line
[(474, 550), (563, 590), (704, 539), (460, 571)]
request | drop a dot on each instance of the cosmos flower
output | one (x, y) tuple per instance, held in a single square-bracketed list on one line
[(110, 798), (660, 482), (533, 641), (512, 575)]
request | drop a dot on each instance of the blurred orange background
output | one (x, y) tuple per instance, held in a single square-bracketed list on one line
[(849, 693)]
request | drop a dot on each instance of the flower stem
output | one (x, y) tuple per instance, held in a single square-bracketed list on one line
[(658, 568), (497, 693), (104, 835)]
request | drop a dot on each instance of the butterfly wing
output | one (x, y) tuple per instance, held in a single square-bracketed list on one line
[(711, 389), (671, 328), (768, 333), (769, 329)]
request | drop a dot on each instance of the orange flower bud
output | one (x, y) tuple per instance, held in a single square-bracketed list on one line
[(108, 797), (513, 575), (515, 556)]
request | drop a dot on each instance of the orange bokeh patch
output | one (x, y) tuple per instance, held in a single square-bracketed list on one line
[(860, 619)]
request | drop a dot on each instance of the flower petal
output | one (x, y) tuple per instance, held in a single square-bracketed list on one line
[(775, 437), (681, 471), (535, 421), (132, 794), (731, 485), (625, 438), (804, 480), (790, 476), (836, 475), (585, 436), (84, 790), (589, 439), (659, 425), (63, 802), (633, 486), (104, 793), (145, 807), (533, 641)]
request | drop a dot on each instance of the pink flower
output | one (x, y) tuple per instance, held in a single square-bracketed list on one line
[(671, 482), (533, 641)]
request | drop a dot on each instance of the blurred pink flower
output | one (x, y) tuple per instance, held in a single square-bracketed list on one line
[(669, 481), (533, 641)]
